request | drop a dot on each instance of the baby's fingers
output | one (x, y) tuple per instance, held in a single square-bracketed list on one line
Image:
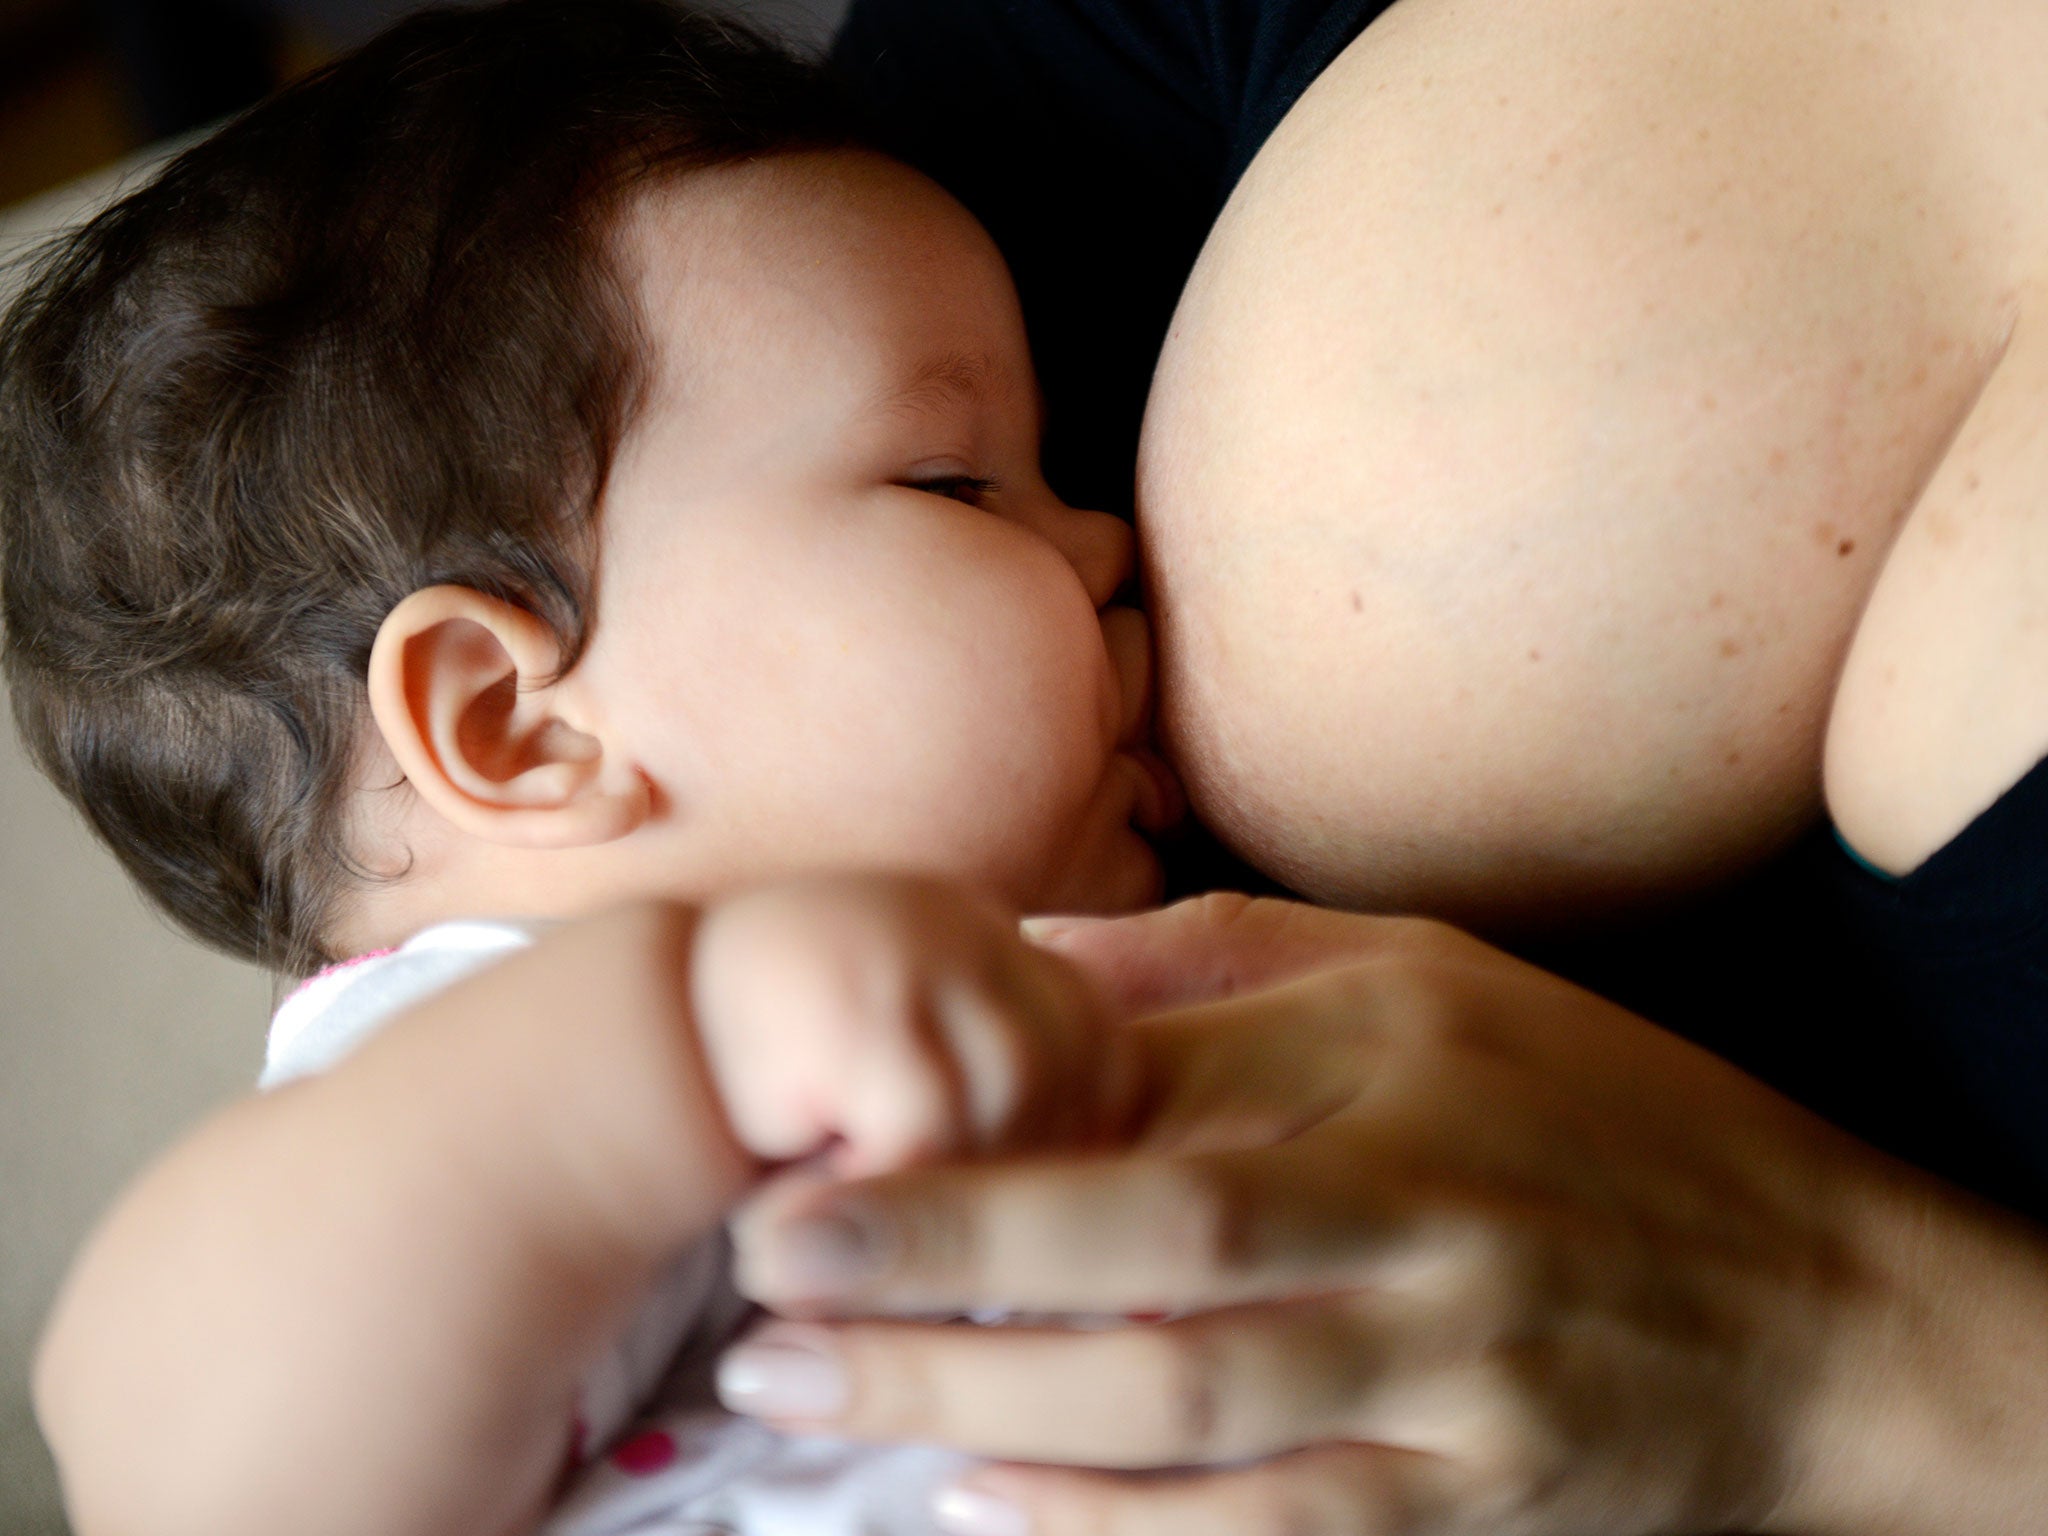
[(894, 1098), (900, 1018), (809, 1009), (983, 1052)]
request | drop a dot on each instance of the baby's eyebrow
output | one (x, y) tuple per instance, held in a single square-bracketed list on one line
[(936, 383), (945, 379)]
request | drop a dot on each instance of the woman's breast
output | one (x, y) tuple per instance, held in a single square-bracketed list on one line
[(1534, 428)]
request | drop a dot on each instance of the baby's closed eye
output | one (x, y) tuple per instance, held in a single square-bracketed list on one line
[(974, 490)]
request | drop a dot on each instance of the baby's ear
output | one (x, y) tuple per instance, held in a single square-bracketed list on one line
[(465, 690)]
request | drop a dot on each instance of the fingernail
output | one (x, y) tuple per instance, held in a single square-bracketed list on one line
[(970, 1512), (783, 1378), (1045, 930), (824, 1255)]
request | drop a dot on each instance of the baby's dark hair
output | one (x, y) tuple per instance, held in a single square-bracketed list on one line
[(372, 336)]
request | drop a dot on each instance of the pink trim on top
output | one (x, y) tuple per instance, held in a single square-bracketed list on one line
[(342, 965)]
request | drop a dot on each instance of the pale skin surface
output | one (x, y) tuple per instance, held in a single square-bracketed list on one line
[(1557, 390), (1594, 436)]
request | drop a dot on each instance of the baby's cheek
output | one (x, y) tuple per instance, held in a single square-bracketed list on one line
[(1054, 728)]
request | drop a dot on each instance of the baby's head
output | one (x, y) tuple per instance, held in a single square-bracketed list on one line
[(541, 460)]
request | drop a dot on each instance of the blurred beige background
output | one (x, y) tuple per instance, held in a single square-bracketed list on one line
[(115, 1032)]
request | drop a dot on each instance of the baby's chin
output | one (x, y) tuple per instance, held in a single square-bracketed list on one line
[(1127, 879), (1107, 864), (1144, 878)]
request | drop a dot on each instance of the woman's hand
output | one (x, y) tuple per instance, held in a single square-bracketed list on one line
[(1447, 1244)]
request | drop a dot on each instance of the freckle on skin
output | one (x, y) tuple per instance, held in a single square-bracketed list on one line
[(1777, 461), (1972, 480), (1496, 210), (1917, 377), (1733, 759), (1731, 648), (1535, 655), (1357, 603), (1825, 533), (1709, 404), (1554, 159), (1856, 366), (1692, 236), (1718, 600), (1846, 548)]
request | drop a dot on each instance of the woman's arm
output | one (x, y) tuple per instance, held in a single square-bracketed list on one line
[(1460, 1247)]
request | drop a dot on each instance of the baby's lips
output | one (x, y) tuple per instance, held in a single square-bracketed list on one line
[(1160, 802), (1128, 639)]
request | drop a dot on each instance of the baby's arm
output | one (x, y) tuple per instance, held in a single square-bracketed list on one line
[(362, 1304)]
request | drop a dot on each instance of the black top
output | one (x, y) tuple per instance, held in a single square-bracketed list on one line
[(1097, 140), (1964, 939)]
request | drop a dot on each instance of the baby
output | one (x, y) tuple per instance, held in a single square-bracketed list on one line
[(544, 467)]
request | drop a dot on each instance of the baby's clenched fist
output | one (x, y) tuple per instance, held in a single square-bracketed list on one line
[(885, 1020)]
